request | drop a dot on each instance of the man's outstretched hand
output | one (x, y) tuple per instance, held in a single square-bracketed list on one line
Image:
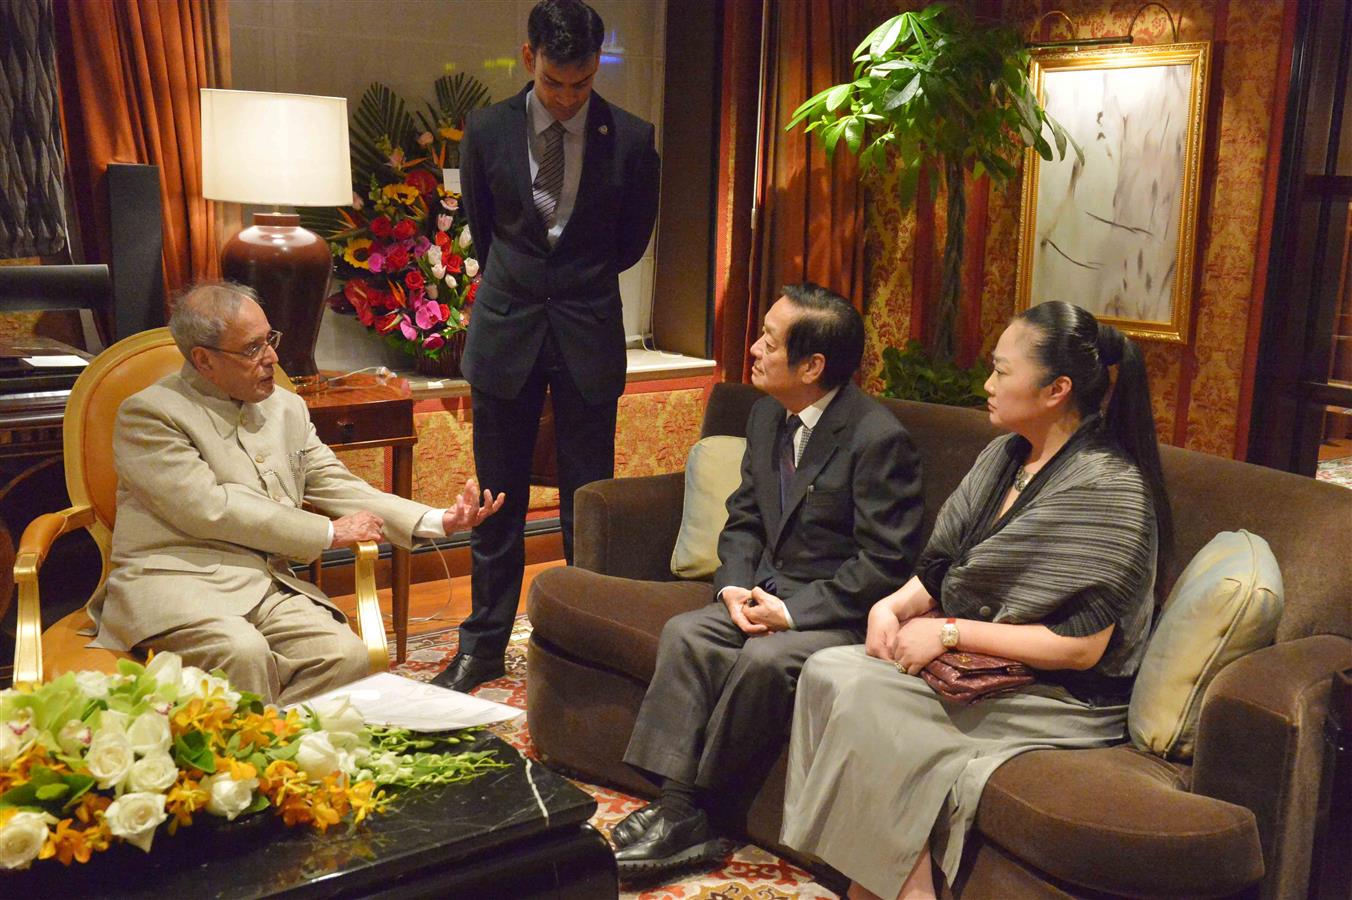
[(470, 509), (360, 526)]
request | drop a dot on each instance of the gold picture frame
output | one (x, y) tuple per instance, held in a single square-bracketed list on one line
[(1117, 235)]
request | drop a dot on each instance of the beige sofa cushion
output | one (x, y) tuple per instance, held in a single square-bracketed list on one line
[(1225, 604), (712, 472)]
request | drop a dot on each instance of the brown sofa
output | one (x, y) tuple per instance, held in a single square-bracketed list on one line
[(1238, 820)]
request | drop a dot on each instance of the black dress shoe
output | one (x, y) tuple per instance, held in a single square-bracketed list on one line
[(632, 826), (466, 672), (669, 844)]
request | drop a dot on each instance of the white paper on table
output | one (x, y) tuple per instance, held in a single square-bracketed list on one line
[(56, 361), (387, 699)]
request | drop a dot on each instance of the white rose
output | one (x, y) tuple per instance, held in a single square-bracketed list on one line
[(135, 816), (109, 757), (166, 669), (464, 240), (22, 837), (317, 756), (471, 267), (150, 732), (154, 772), (337, 714), (229, 797), (75, 737), (113, 720), (15, 737), (94, 684), (438, 271)]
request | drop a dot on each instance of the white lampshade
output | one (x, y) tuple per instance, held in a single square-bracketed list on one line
[(275, 149)]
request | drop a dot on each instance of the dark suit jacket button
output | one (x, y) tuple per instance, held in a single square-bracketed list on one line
[(985, 612)]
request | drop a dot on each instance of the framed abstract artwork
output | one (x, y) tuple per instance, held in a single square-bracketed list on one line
[(1116, 233)]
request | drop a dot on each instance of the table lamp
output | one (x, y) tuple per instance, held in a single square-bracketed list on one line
[(278, 150)]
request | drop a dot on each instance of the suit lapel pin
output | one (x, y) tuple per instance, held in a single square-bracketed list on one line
[(604, 129)]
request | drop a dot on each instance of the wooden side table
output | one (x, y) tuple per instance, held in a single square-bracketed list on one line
[(362, 412)]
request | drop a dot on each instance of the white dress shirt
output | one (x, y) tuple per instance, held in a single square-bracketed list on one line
[(431, 525), (574, 142)]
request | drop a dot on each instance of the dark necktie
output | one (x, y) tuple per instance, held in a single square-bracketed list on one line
[(787, 459), (548, 184)]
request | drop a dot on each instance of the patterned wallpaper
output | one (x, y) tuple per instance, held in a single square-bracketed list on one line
[(654, 433), (1198, 391)]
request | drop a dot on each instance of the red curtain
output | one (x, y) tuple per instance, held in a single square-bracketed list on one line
[(789, 215), (130, 72)]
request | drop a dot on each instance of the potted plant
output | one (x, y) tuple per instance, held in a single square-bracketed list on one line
[(403, 250), (935, 88)]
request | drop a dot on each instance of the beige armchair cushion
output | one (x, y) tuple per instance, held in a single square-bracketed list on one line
[(713, 470), (1225, 604)]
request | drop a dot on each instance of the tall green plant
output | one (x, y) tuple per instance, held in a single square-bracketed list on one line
[(934, 88)]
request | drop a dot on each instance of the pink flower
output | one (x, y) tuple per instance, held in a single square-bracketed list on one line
[(450, 203), (433, 341), (443, 222), (429, 315), (376, 262), (407, 329)]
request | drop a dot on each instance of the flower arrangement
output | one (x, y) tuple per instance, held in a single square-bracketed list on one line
[(403, 249), (90, 758)]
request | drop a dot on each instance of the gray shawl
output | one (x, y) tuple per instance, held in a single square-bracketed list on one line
[(1076, 551)]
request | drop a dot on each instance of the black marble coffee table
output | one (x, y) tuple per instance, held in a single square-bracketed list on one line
[(519, 832)]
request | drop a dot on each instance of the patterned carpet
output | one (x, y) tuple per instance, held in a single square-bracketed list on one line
[(750, 874), (1338, 471)]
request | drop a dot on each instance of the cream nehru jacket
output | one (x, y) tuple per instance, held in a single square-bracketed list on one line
[(209, 502)]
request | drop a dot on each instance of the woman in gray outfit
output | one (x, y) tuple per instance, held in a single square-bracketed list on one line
[(1046, 553)]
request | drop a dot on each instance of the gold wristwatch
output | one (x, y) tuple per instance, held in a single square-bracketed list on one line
[(948, 633)]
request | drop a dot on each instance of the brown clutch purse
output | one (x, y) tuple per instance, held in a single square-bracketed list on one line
[(960, 677)]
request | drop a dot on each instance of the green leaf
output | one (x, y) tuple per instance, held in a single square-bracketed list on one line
[(854, 134), (49, 792), (904, 95), (872, 36), (837, 96), (192, 750), (888, 39)]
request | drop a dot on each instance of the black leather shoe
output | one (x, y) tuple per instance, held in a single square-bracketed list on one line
[(466, 672), (632, 826), (670, 844)]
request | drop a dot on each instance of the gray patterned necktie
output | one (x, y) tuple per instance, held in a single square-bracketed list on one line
[(548, 184)]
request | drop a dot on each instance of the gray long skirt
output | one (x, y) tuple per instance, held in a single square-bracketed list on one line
[(878, 765)]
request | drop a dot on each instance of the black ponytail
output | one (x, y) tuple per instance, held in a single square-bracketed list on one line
[(1073, 343)]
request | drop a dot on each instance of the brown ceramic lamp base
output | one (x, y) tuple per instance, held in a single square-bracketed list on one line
[(289, 268)]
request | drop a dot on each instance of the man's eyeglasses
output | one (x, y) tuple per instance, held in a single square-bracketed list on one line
[(254, 350)]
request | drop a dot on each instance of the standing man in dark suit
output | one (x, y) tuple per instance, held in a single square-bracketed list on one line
[(561, 192), (825, 523)]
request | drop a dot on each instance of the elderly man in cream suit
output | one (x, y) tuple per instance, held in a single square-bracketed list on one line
[(213, 466)]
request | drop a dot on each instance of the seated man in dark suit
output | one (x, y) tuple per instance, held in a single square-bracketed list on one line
[(825, 523)]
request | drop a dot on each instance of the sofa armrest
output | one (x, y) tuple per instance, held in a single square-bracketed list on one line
[(627, 526), (1260, 744)]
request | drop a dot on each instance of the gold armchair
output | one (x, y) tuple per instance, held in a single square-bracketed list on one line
[(117, 373)]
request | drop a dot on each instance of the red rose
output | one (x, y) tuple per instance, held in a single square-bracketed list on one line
[(380, 226), (422, 180), (445, 312), (414, 280), (453, 263), (396, 259), (473, 289), (405, 230), (442, 239)]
